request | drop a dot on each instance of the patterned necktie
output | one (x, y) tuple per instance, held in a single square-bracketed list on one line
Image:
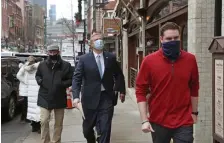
[(99, 65)]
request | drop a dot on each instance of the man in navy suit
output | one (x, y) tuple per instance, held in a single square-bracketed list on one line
[(98, 72)]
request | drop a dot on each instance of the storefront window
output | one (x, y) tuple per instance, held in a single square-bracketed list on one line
[(177, 4), (171, 7), (151, 45)]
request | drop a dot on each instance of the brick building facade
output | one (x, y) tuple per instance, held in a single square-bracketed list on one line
[(18, 22), (95, 13), (11, 21), (38, 24), (19, 25), (5, 24)]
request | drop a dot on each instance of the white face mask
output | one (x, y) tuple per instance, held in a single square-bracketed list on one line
[(98, 44)]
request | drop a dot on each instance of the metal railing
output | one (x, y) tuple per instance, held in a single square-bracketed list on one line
[(133, 74)]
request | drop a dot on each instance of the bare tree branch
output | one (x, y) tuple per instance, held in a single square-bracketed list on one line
[(67, 23)]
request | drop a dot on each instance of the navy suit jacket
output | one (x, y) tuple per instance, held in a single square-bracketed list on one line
[(87, 75)]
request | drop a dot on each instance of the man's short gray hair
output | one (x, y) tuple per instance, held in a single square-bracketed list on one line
[(96, 36)]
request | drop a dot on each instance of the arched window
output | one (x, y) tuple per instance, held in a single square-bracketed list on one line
[(171, 7)]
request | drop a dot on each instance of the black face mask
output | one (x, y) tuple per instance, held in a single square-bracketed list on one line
[(53, 57), (171, 49)]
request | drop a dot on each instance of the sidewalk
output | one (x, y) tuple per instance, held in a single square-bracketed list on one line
[(126, 126)]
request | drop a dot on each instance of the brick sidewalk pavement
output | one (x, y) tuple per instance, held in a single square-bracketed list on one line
[(125, 129)]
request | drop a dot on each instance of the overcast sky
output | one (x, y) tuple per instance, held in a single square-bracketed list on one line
[(63, 7)]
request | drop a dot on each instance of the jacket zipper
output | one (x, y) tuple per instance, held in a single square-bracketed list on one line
[(53, 72), (52, 77), (53, 66)]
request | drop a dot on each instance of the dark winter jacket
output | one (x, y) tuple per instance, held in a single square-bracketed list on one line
[(53, 80)]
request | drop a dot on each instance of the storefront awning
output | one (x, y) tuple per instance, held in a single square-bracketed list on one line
[(179, 12), (126, 4)]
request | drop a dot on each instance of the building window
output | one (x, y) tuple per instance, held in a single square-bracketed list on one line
[(172, 6), (106, 14), (177, 4), (11, 21), (38, 31)]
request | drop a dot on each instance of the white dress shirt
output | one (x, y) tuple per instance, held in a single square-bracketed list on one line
[(101, 60), (102, 65)]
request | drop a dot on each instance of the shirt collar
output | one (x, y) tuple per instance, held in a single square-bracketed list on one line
[(95, 54)]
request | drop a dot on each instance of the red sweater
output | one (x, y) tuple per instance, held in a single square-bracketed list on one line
[(171, 87)]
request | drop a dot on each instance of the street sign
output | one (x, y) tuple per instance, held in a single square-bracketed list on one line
[(111, 26), (80, 36)]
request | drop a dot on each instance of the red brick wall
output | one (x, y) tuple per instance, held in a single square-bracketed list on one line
[(11, 12), (18, 22), (4, 18), (14, 11)]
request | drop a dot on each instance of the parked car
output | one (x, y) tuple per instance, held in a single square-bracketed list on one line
[(69, 59), (10, 98), (23, 56)]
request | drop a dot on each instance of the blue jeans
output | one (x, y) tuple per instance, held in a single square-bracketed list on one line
[(179, 135)]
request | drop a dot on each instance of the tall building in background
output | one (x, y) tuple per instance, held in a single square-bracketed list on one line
[(38, 24), (41, 3), (52, 13)]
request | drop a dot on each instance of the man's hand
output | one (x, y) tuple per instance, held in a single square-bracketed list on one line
[(122, 98), (146, 127), (195, 118), (76, 102)]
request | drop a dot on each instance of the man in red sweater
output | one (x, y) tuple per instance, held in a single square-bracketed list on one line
[(171, 76)]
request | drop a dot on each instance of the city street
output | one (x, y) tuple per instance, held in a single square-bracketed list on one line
[(126, 126), (14, 131), (175, 48)]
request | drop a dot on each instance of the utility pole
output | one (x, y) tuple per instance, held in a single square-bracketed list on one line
[(45, 30), (73, 29)]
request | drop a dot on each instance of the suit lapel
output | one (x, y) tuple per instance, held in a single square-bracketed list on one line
[(105, 57), (105, 61)]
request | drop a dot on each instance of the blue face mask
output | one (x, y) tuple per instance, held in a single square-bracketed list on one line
[(171, 49), (98, 44)]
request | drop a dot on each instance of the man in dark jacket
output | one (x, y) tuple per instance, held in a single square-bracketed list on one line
[(53, 75), (98, 72)]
